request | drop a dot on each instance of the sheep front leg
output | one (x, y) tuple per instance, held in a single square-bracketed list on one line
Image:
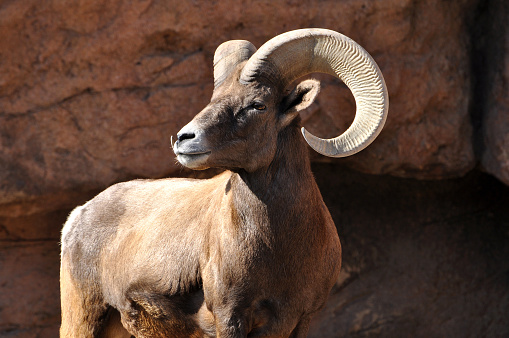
[(230, 326), (302, 328), (148, 314), (82, 309)]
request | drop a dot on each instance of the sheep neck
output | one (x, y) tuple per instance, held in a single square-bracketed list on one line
[(284, 189)]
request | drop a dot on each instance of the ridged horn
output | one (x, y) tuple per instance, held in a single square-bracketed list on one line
[(291, 55), (228, 55)]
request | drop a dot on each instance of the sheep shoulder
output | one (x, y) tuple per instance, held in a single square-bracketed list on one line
[(155, 232)]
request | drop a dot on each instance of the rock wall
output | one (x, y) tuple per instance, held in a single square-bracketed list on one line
[(492, 88), (420, 258), (91, 92)]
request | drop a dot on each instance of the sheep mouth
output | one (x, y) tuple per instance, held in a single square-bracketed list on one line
[(193, 160), (193, 153)]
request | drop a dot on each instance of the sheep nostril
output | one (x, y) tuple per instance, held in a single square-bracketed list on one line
[(185, 136)]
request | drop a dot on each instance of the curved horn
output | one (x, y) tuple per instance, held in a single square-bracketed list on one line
[(291, 55), (228, 55)]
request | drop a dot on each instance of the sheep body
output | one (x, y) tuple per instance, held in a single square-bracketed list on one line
[(170, 257), (251, 252)]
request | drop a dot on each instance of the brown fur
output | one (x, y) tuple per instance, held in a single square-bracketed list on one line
[(251, 252)]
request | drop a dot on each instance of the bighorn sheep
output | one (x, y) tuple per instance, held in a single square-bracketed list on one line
[(251, 252)]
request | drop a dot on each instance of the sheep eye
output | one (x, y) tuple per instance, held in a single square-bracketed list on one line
[(259, 106)]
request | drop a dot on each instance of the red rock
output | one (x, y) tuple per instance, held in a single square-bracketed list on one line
[(30, 301), (93, 90), (495, 156)]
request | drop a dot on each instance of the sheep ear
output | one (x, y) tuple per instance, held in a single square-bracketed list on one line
[(299, 99)]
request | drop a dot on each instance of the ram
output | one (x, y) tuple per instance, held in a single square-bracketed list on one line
[(251, 252)]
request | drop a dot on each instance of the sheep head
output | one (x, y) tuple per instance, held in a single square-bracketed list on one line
[(249, 106)]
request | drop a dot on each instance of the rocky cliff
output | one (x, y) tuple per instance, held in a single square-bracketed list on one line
[(91, 92)]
